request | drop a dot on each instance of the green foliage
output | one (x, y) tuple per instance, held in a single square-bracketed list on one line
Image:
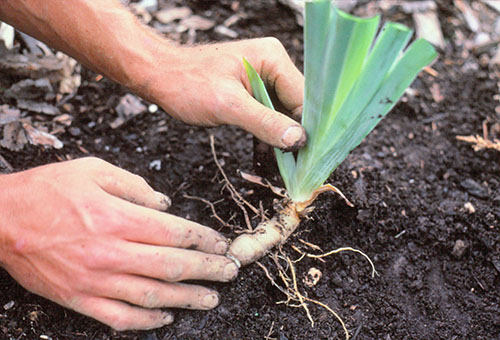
[(352, 80)]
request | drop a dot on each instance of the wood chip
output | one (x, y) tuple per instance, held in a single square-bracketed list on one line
[(470, 15), (436, 93), (428, 27), (495, 4), (195, 22), (223, 30), (168, 15)]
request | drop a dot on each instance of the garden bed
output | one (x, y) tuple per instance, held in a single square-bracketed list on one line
[(412, 183)]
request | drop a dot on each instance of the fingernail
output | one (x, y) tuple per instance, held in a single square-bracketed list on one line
[(210, 301), (168, 318), (221, 247), (164, 200), (294, 138), (230, 271)]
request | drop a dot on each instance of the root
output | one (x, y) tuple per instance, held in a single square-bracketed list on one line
[(292, 292), (212, 207), (237, 198), (338, 250), (248, 248)]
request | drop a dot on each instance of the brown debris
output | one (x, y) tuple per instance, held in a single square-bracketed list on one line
[(481, 143), (436, 93)]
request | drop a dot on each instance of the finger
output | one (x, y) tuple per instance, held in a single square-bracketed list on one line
[(150, 293), (122, 316), (173, 264), (156, 228), (270, 126), (287, 81), (133, 188)]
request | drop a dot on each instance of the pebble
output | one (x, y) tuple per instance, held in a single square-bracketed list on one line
[(474, 188), (459, 249), (155, 165), (469, 207), (9, 305), (152, 108)]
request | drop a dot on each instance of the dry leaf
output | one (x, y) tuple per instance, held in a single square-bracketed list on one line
[(8, 114), (128, 107), (38, 107), (37, 137), (14, 137), (29, 89)]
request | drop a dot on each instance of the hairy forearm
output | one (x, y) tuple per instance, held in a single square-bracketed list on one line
[(102, 34)]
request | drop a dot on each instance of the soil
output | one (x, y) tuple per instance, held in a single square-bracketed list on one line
[(438, 264)]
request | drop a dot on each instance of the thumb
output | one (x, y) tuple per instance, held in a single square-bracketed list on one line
[(271, 127)]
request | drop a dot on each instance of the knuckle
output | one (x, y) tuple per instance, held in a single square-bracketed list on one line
[(226, 102), (267, 120), (103, 257), (274, 44), (118, 322), (92, 162), (141, 182), (150, 298), (173, 269)]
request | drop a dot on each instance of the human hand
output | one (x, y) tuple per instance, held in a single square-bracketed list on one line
[(208, 85), (91, 237)]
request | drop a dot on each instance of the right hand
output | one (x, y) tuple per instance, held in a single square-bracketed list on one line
[(91, 237)]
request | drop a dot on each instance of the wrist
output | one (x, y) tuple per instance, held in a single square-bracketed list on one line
[(151, 65), (5, 212)]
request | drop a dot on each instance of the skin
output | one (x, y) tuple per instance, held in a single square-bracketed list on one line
[(95, 238)]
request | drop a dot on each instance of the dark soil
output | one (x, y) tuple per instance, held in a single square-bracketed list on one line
[(438, 264)]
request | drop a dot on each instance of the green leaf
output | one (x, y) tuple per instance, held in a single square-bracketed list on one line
[(351, 83), (285, 160), (346, 135)]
